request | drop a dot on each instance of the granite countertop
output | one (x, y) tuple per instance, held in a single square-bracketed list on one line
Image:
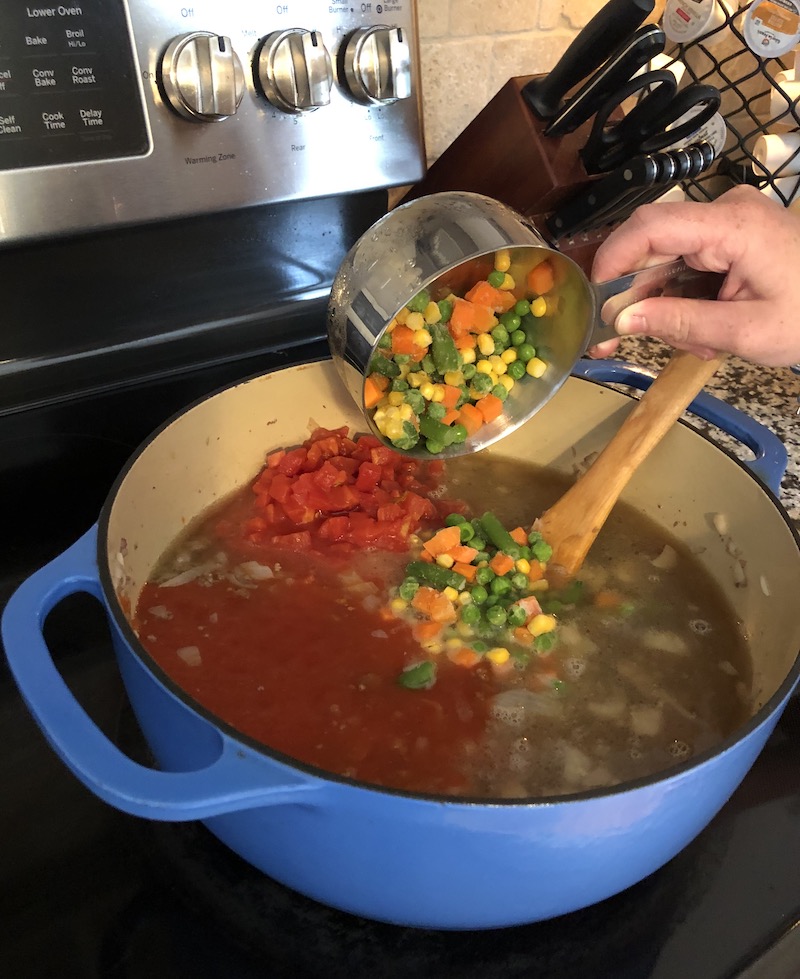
[(768, 394)]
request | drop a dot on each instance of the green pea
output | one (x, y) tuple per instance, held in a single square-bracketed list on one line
[(468, 370), (481, 556), (453, 519), (510, 321), (482, 383), (408, 589), (402, 359), (500, 335), (500, 392), (436, 410), (496, 615), (479, 594), (398, 384), (480, 647), (542, 551), (522, 308), (500, 586), (496, 278), (385, 341), (545, 642), (420, 302), (415, 399), (446, 309), (519, 581), (516, 369), (470, 614), (516, 615), (525, 352), (518, 337), (484, 576)]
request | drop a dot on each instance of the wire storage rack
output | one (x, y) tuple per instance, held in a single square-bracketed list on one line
[(760, 97)]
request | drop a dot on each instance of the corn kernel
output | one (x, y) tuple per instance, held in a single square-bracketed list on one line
[(484, 367), (380, 414), (485, 344), (464, 598), (417, 378), (398, 605), (499, 366), (403, 315), (433, 645), (394, 429), (405, 370), (539, 306), (535, 367), (414, 540), (541, 624), (450, 593), (432, 313), (541, 585), (502, 260), (454, 378), (523, 565), (507, 381), (396, 398), (415, 321), (422, 338), (468, 355), (426, 390), (464, 630), (509, 356), (498, 655), (392, 325), (438, 393), (508, 283), (453, 643), (406, 412), (445, 560)]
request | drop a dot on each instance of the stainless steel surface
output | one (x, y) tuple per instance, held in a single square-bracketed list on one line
[(180, 166), (294, 69), (445, 243)]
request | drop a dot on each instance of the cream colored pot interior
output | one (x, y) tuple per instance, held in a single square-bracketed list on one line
[(220, 444)]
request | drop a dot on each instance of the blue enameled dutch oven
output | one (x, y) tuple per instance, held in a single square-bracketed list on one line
[(388, 855)]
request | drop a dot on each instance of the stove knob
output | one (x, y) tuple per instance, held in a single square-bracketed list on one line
[(201, 77), (377, 65), (293, 70)]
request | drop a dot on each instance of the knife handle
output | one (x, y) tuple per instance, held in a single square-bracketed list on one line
[(609, 27)]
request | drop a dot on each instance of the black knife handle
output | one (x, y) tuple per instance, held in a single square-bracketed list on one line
[(609, 27)]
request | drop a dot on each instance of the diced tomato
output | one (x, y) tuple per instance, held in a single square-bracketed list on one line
[(280, 487), (369, 475), (292, 462), (298, 541)]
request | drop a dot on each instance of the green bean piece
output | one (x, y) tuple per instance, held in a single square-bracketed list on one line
[(453, 519), (434, 431), (467, 532), (498, 535), (420, 302), (420, 676), (434, 447), (427, 364), (435, 575), (445, 354), (385, 342), (446, 310), (459, 434), (382, 365), (402, 359)]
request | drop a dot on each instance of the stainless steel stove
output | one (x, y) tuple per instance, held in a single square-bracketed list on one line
[(178, 186)]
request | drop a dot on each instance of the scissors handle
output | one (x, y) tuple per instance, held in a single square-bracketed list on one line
[(693, 95), (636, 124)]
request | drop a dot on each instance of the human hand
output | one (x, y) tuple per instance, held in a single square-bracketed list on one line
[(754, 240)]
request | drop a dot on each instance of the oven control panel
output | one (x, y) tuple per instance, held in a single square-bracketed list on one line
[(127, 111)]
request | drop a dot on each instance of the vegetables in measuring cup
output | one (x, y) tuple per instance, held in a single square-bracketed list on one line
[(444, 367)]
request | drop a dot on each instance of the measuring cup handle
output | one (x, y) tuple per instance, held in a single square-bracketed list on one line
[(669, 279)]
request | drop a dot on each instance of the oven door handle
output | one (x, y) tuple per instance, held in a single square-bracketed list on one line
[(236, 779)]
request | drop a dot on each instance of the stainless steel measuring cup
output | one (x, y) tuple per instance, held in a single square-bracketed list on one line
[(446, 242)]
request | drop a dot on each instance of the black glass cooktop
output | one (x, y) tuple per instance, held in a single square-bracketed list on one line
[(91, 893)]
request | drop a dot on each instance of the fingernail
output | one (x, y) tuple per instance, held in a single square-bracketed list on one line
[(629, 323)]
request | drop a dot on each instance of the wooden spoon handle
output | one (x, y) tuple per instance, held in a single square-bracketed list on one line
[(571, 525)]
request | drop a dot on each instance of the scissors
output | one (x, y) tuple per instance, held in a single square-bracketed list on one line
[(663, 116)]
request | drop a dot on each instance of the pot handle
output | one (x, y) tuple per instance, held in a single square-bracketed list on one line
[(770, 453), (232, 782)]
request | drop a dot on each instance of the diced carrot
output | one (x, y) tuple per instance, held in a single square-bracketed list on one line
[(463, 657), (536, 573), (485, 295), (519, 536), (470, 418), (426, 556), (374, 387), (425, 631), (540, 278), (451, 395), (462, 319), (443, 541), (490, 407), (402, 340), (434, 604), (483, 319), (501, 563), (507, 301), (463, 553), (522, 636), (417, 353), (467, 570), (607, 598), (465, 341), (450, 417)]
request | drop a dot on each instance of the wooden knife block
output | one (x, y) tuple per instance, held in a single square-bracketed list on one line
[(504, 154)]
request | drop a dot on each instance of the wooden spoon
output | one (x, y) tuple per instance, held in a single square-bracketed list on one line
[(571, 525)]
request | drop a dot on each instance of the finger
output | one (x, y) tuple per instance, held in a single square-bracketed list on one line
[(605, 349), (706, 325)]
